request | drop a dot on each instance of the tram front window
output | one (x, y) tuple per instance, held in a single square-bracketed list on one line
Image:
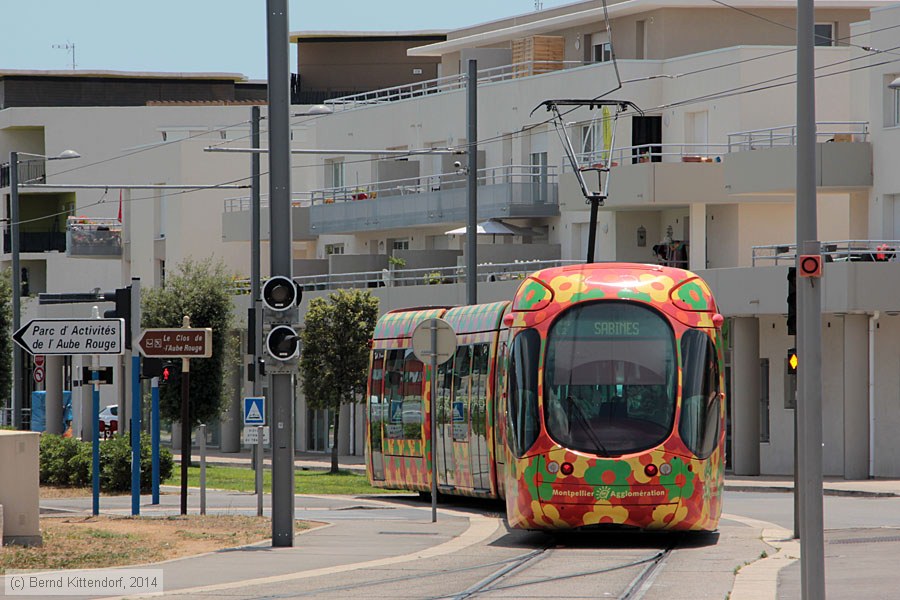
[(610, 376)]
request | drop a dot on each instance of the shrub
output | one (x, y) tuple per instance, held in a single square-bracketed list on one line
[(68, 461)]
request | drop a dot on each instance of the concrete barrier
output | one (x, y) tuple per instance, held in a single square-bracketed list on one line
[(19, 487)]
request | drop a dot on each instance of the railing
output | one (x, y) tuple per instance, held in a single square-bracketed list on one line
[(833, 251), (786, 135), (486, 272), (36, 241), (532, 174), (244, 203), (93, 237), (684, 152), (30, 171), (450, 83)]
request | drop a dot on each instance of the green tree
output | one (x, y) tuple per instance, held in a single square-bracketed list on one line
[(335, 357), (6, 343), (200, 290)]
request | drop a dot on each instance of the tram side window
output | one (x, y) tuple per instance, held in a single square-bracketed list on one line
[(403, 395), (376, 406), (522, 401), (700, 409), (480, 366), (412, 411), (462, 375)]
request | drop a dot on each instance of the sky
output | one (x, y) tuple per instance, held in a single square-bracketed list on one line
[(227, 36)]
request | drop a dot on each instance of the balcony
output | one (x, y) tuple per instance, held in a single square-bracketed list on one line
[(30, 171), (511, 191), (236, 218), (833, 251), (93, 238), (763, 161), (36, 241)]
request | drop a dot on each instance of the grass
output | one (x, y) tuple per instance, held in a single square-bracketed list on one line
[(90, 542), (305, 482)]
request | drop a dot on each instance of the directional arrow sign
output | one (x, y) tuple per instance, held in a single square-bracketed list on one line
[(176, 343), (72, 336)]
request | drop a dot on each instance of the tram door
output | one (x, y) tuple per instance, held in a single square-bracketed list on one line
[(478, 423), (446, 464), (376, 415)]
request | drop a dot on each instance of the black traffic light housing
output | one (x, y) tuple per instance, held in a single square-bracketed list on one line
[(792, 301), (792, 361), (283, 343), (169, 373), (280, 293), (151, 367), (122, 298)]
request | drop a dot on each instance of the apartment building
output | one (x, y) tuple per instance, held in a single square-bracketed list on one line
[(704, 178)]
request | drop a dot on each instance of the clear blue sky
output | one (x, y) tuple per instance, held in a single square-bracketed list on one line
[(206, 35)]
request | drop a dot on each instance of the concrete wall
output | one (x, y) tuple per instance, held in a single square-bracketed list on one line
[(19, 472)]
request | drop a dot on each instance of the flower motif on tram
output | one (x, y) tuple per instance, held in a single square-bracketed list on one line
[(607, 473), (573, 288), (667, 515), (606, 513), (656, 286), (539, 479), (695, 294), (531, 295), (680, 482)]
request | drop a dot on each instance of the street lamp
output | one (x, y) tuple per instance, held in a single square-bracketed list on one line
[(17, 385)]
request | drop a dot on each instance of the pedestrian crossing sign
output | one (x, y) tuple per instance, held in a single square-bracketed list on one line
[(254, 411)]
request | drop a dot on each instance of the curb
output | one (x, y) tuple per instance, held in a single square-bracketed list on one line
[(825, 491)]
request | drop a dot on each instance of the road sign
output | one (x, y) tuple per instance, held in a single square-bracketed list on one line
[(422, 341), (254, 410), (72, 336), (251, 438), (38, 374), (39, 360), (176, 343)]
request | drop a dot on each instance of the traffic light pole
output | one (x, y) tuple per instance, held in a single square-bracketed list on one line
[(185, 423), (154, 436), (281, 384), (134, 334)]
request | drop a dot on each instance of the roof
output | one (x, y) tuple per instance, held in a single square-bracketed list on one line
[(510, 28), (375, 35), (120, 74)]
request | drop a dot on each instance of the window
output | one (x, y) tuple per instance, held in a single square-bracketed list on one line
[(764, 400), (334, 249), (335, 173), (824, 34), (895, 95), (402, 244), (462, 374), (610, 378), (522, 402), (602, 52), (403, 395), (700, 398)]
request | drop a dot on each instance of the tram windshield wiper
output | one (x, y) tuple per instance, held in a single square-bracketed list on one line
[(585, 424)]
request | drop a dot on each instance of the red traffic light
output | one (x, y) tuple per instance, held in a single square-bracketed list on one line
[(166, 373)]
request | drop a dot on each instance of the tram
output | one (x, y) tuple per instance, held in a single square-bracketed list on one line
[(593, 399)]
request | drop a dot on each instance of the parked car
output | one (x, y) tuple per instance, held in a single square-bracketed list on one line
[(110, 415)]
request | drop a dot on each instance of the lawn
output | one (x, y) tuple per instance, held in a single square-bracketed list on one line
[(305, 482)]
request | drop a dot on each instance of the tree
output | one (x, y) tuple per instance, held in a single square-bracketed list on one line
[(6, 341), (200, 290), (335, 357)]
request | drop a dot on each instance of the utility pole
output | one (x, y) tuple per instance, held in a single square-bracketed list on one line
[(18, 367), (282, 383), (256, 315), (809, 320), (472, 182)]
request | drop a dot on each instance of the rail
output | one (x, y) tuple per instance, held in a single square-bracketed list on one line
[(450, 83), (486, 272), (833, 251), (434, 183), (243, 203), (786, 135)]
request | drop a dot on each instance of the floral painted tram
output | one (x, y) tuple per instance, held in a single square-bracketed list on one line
[(601, 393), (467, 449)]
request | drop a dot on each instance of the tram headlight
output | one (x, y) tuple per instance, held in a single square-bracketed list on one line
[(665, 468), (567, 468), (651, 470)]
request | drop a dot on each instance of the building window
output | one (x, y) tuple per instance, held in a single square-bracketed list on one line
[(895, 95), (402, 244), (334, 249), (824, 34), (602, 52), (335, 173), (764, 400)]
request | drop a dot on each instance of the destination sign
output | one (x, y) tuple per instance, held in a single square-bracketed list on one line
[(72, 336), (176, 343)]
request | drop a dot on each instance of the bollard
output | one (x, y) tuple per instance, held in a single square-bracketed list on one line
[(201, 433)]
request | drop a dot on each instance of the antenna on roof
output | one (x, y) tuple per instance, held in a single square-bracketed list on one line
[(538, 5), (68, 47)]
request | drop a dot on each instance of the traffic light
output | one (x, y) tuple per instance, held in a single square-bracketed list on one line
[(151, 367), (792, 361), (792, 301), (283, 343), (168, 374), (280, 294), (122, 298)]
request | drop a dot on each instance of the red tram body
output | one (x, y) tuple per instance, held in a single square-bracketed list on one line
[(593, 399)]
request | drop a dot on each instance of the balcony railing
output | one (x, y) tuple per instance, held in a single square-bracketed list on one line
[(486, 272), (451, 82), (93, 237), (833, 251), (668, 153), (786, 135), (244, 203), (536, 175), (30, 171), (36, 241)]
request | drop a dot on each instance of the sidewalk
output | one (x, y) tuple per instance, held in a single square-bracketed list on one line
[(302, 460), (831, 486)]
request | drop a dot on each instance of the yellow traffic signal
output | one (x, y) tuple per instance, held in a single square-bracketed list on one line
[(793, 361)]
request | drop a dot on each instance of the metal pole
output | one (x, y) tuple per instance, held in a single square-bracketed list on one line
[(185, 423), (260, 446), (95, 443), (134, 334), (154, 435), (201, 433), (255, 249), (282, 388), (472, 182), (17, 383), (592, 230), (809, 308), (434, 366)]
